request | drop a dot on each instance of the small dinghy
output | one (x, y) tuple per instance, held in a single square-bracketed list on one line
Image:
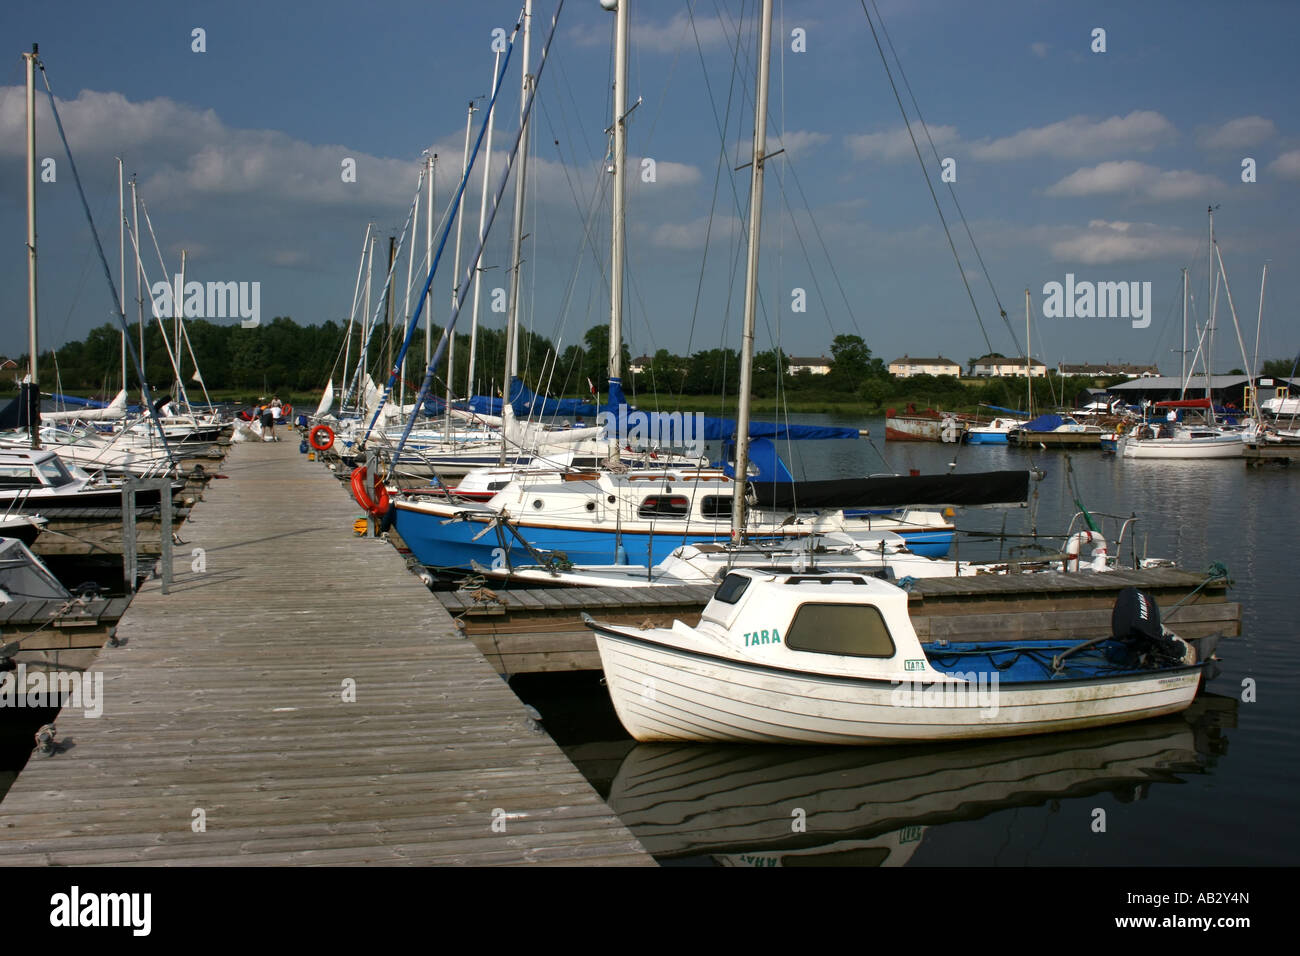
[(832, 658)]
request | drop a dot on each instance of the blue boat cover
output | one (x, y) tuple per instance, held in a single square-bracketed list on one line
[(526, 403), (1044, 423)]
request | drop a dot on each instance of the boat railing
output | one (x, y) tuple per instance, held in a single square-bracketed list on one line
[(1111, 522), (17, 504)]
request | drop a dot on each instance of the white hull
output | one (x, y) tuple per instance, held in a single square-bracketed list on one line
[(669, 693), (1229, 446)]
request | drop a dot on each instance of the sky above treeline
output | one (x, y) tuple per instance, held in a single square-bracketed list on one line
[(1086, 141)]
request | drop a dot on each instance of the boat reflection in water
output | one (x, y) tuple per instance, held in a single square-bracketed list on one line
[(743, 805)]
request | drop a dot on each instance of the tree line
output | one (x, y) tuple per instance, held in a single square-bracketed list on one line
[(284, 356)]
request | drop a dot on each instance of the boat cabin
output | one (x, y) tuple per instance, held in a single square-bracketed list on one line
[(833, 622)]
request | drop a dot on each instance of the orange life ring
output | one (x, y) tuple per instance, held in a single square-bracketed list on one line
[(376, 507), (323, 444)]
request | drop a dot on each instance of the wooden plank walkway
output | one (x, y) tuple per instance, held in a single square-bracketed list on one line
[(227, 703)]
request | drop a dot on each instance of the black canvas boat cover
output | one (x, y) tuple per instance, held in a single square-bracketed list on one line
[(893, 491)]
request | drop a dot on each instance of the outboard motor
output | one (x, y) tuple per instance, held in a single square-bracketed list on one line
[(1135, 623)]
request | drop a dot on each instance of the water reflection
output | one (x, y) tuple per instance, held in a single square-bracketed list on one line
[(781, 806)]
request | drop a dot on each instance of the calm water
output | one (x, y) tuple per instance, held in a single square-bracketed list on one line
[(1215, 786)]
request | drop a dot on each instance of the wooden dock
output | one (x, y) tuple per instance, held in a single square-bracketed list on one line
[(1283, 454), (299, 698), (539, 629)]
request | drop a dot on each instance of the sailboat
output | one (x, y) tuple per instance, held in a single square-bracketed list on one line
[(830, 657), (1174, 438)]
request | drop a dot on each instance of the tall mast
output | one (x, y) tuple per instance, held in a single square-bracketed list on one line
[(455, 272), (428, 258), (516, 264), (406, 301), (178, 306), (482, 227), (1213, 303), (121, 257), (1182, 378), (1029, 350), (751, 279), (32, 351), (619, 223), (139, 291)]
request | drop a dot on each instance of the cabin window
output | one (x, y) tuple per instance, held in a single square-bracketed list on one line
[(854, 630), (731, 588), (664, 506), (497, 485), (55, 472), (715, 506), (17, 476)]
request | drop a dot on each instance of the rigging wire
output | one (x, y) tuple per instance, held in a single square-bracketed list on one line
[(928, 184)]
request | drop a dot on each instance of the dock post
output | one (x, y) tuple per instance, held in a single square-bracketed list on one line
[(128, 533), (165, 532), (372, 462)]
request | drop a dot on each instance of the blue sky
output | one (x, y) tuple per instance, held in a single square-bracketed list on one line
[(1099, 165)]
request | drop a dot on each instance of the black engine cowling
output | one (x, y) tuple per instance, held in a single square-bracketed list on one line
[(1135, 623)]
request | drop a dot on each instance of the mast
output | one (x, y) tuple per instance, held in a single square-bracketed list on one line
[(1211, 276), (178, 306), (347, 341), (388, 299), (1183, 375), (619, 223), (455, 274), (33, 422), (139, 291), (751, 279), (406, 302), (482, 228), (121, 257), (516, 264), (364, 347), (428, 256), (1029, 376)]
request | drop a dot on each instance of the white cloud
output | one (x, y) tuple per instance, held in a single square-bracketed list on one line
[(1138, 179), (895, 144), (1287, 165), (1240, 133), (670, 37), (1140, 130), (797, 141), (667, 173), (690, 235), (1039, 49), (1105, 242)]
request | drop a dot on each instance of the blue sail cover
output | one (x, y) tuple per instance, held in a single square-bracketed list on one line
[(528, 404), (1045, 423), (77, 402)]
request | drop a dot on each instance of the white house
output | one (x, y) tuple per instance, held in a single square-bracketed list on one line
[(817, 366), (999, 366), (907, 366)]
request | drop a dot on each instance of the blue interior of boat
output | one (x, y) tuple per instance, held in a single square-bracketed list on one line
[(1032, 661)]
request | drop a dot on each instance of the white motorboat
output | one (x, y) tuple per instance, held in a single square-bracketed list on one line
[(832, 658)]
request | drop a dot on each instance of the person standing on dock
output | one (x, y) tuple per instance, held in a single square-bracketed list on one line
[(269, 413)]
